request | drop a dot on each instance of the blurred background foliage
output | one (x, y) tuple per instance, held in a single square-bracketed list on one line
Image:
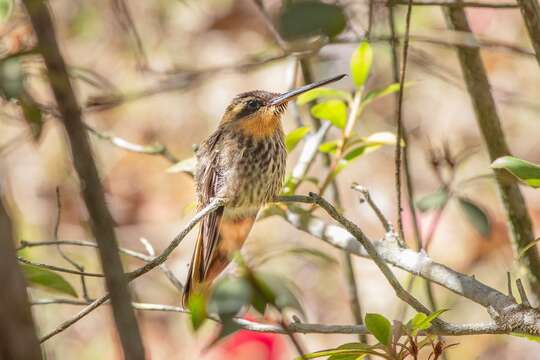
[(171, 86)]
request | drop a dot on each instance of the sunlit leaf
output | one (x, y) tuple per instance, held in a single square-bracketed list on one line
[(380, 327), (476, 216), (333, 352), (334, 111), (330, 147), (526, 171), (6, 7), (422, 321), (432, 201), (382, 138), (47, 279), (306, 18), (294, 137), (324, 94), (33, 116), (11, 78), (187, 165), (197, 308), (229, 295), (361, 61), (379, 93), (526, 336)]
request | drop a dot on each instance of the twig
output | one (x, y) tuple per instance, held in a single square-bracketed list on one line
[(531, 15), (59, 248), (522, 293), (270, 25), (399, 119), (58, 268), (367, 198), (157, 149), (299, 327), (214, 204), (488, 120), (125, 20), (473, 4), (100, 219)]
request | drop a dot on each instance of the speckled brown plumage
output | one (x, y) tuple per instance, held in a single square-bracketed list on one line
[(243, 161)]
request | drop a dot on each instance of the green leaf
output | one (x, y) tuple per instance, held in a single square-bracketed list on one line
[(228, 326), (526, 336), (229, 295), (293, 138), (33, 116), (330, 147), (11, 78), (422, 321), (276, 291), (526, 171), (476, 216), (432, 201), (354, 356), (197, 308), (361, 61), (379, 93), (187, 165), (380, 327), (307, 18), (6, 7), (333, 352), (334, 111), (322, 93), (47, 279), (381, 138)]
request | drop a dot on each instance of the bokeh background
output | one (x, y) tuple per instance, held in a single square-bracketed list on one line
[(191, 52)]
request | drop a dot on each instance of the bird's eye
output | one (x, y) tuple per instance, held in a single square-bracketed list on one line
[(254, 104)]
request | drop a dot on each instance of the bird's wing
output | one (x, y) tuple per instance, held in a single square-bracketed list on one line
[(207, 178)]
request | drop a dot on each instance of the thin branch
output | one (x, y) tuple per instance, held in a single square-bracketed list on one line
[(58, 268), (164, 268), (175, 80), (472, 4), (399, 119), (125, 20), (212, 206), (157, 149), (59, 248), (487, 117), (531, 15), (298, 327), (367, 198), (270, 25)]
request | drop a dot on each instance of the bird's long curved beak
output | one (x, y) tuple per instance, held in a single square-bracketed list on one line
[(289, 95)]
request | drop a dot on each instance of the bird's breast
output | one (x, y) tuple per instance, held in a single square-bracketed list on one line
[(254, 169)]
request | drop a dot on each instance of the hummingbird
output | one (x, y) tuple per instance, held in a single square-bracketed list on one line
[(242, 162)]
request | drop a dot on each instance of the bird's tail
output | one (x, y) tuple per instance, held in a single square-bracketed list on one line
[(217, 240)]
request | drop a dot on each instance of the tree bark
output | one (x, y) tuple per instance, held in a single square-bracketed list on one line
[(100, 217), (18, 339), (477, 82)]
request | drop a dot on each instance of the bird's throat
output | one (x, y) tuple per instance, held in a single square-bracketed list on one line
[(262, 126)]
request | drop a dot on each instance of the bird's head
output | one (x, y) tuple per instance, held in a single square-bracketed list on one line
[(258, 113)]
